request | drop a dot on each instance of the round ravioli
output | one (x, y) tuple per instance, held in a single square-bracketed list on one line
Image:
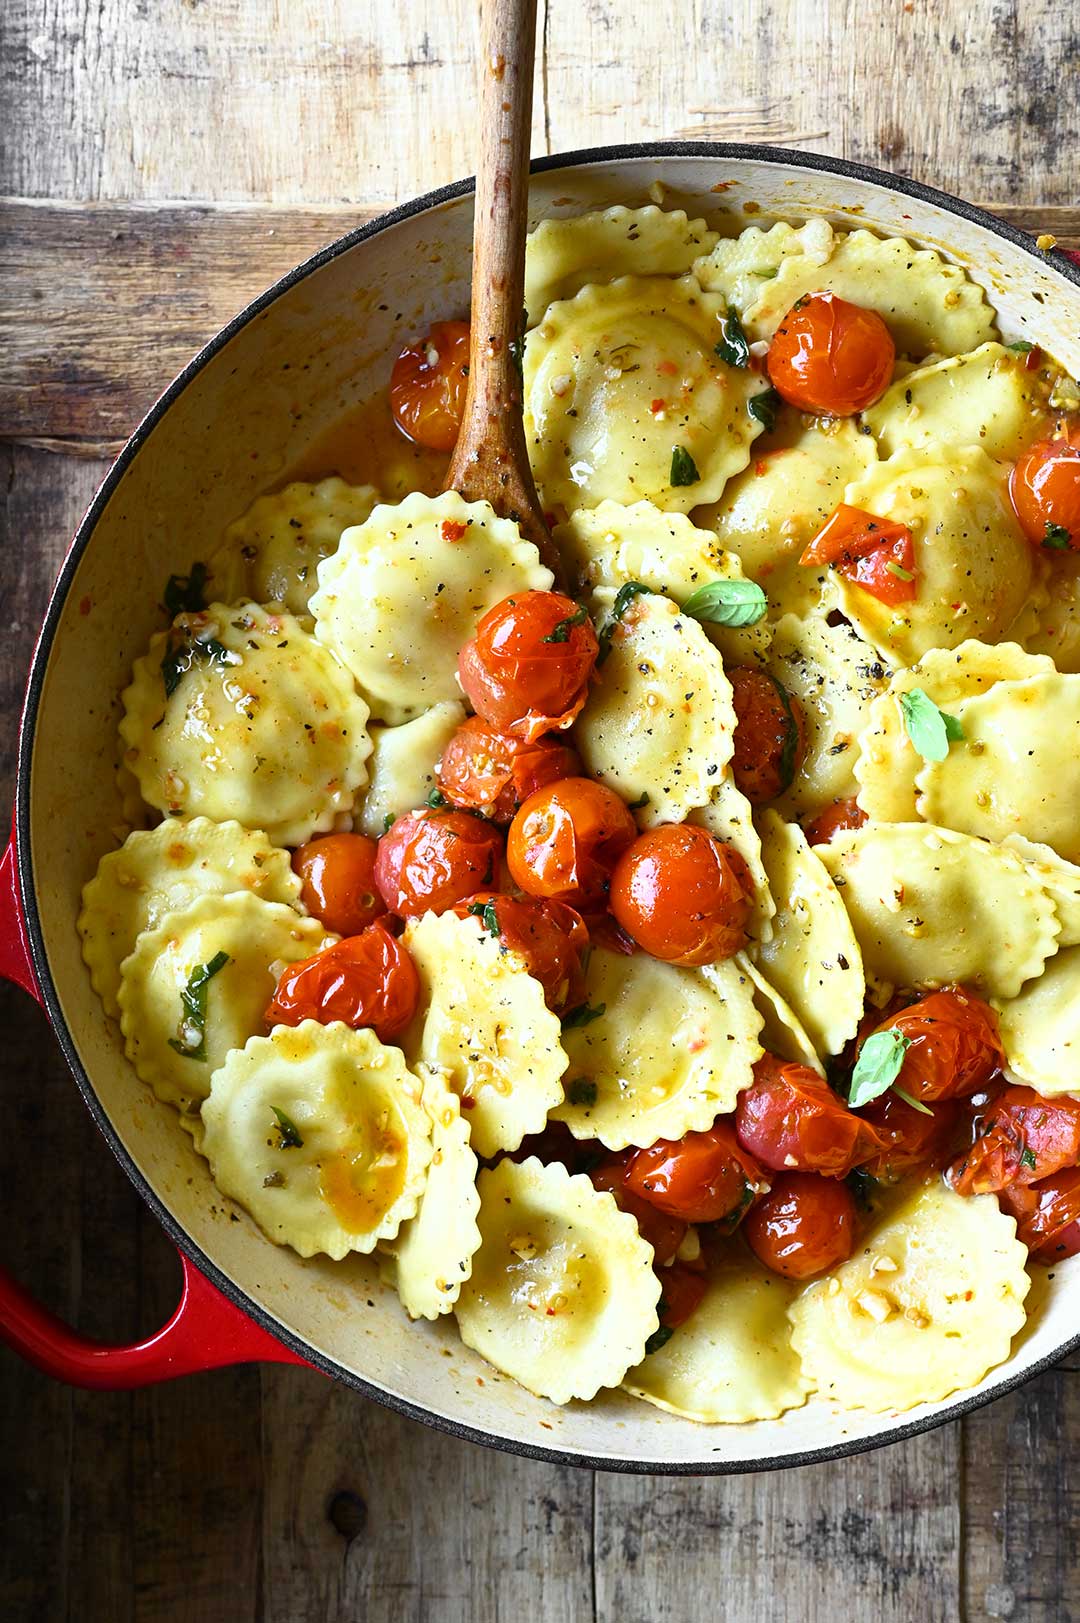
[(563, 256), (402, 765), (240, 713), (271, 555), (1017, 768), (732, 1360), (626, 397), (404, 591), (562, 1296), (659, 721), (739, 267), (972, 565), (319, 1133), (484, 1025), (728, 814), (198, 985), (163, 870), (928, 1304), (661, 1050), (813, 959), (432, 1255), (1040, 1029), (782, 1032), (988, 398), (931, 907)]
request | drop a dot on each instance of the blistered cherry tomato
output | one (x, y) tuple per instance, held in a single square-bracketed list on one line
[(338, 881), (1020, 1138), (789, 1118), (659, 1229), (875, 553), (683, 895), (428, 860), (770, 734), (1047, 1215), (681, 1291), (702, 1178), (830, 357), (566, 839), (911, 1140), (954, 1048), (365, 980), (841, 815), (527, 669), (804, 1225), (485, 770), (548, 936), (1045, 491), (429, 383)]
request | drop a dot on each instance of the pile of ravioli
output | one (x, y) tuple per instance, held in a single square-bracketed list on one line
[(318, 689)]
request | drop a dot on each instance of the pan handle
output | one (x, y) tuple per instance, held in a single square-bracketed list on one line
[(205, 1332)]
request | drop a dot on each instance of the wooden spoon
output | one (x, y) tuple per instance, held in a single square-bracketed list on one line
[(490, 461)]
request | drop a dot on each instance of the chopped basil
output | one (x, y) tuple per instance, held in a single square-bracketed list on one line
[(562, 631), (436, 799), (734, 347), (915, 1104), (877, 1066), (182, 653), (582, 1015), (485, 912), (639, 804), (764, 407), (931, 730), (388, 822), (1021, 347), (288, 1132), (581, 1091), (190, 1040), (659, 1338), (1056, 537), (623, 599), (683, 467), (1027, 1159), (727, 603), (184, 593), (863, 1187)]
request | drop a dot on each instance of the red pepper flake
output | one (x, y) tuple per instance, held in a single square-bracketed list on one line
[(85, 605), (453, 529), (668, 369), (1033, 359), (877, 554), (657, 405)]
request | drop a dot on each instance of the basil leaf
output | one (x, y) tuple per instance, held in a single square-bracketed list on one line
[(581, 1091), (639, 804), (1056, 537), (877, 1066), (1028, 1159), (190, 1040), (931, 730), (289, 1133), (491, 919), (916, 1104), (184, 593), (623, 599), (863, 1187), (727, 603), (659, 1338), (562, 631), (583, 1015), (764, 407), (436, 799), (182, 653), (683, 467), (388, 822), (734, 347), (1021, 347)]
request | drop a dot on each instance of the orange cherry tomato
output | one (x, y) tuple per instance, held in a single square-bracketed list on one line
[(429, 859), (1020, 1138), (365, 980), (527, 669), (1047, 1215), (1045, 491), (485, 770), (682, 1289), (789, 1118), (683, 895), (830, 357), (659, 1229), (550, 937), (770, 734), (428, 386), (804, 1225), (702, 1178), (954, 1047), (566, 839), (911, 1141), (874, 553), (338, 881), (841, 815)]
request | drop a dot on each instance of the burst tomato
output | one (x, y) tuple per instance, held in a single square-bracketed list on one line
[(804, 1225), (338, 881), (428, 860), (550, 937), (566, 839), (681, 1291), (485, 770), (830, 357), (789, 1118), (910, 1140), (659, 1229), (770, 734), (429, 383), (365, 980), (683, 895), (1020, 1138), (954, 1048), (874, 553), (841, 815), (1047, 1215), (527, 669), (701, 1178), (1045, 491)]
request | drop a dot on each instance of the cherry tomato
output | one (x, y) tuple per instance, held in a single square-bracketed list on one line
[(682, 1289), (338, 881), (831, 357), (549, 936), (365, 980), (1047, 1215), (659, 1229), (683, 895), (555, 1142), (1020, 1138), (803, 1226), (429, 383), (428, 860), (1045, 491), (954, 1047), (790, 1119), (527, 669), (566, 839), (911, 1141), (770, 734), (701, 1178), (485, 770), (841, 815), (874, 553)]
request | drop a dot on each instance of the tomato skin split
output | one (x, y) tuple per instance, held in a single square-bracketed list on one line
[(565, 841), (1020, 1139), (841, 815), (365, 980), (429, 859), (703, 1178), (770, 734), (551, 938), (954, 1048), (1047, 1215), (527, 669), (791, 1120), (493, 772), (874, 553)]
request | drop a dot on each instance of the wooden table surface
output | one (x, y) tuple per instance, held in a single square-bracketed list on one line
[(160, 163)]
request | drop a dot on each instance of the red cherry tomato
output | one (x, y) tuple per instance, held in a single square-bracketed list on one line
[(804, 1225), (954, 1044), (702, 1178), (566, 839), (831, 357), (683, 895), (770, 734), (910, 1140), (1045, 491), (874, 553), (841, 815), (550, 937), (428, 860), (790, 1119), (659, 1229), (1020, 1138), (485, 770), (338, 874), (429, 383), (555, 1142), (681, 1291), (1047, 1215), (365, 980), (527, 669)]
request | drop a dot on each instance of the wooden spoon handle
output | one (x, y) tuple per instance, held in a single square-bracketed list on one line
[(490, 461)]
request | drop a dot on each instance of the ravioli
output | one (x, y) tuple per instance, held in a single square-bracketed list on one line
[(739, 268), (988, 398), (728, 814), (1050, 624), (563, 256), (782, 1032), (1040, 1029), (1059, 879), (403, 763), (271, 555)]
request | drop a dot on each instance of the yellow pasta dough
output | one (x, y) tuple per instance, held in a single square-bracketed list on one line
[(271, 555), (1040, 1029), (1050, 623), (1059, 879), (739, 268), (782, 1032), (563, 256), (728, 814), (987, 398), (402, 766)]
